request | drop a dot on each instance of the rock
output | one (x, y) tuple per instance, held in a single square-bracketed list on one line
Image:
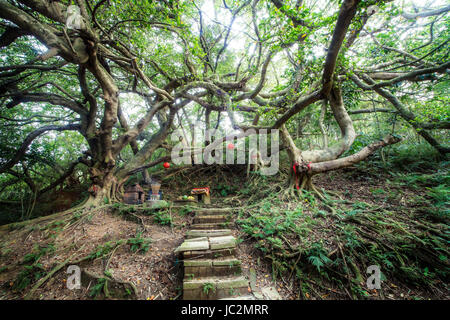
[(112, 288), (270, 293), (258, 295)]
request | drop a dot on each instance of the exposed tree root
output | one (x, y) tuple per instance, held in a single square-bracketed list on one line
[(112, 288), (55, 216), (297, 185), (119, 288), (371, 235), (52, 272)]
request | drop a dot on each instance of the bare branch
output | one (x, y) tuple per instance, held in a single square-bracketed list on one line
[(346, 14), (427, 13), (354, 158)]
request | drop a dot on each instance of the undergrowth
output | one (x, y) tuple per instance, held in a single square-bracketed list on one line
[(160, 214), (316, 248), (32, 270), (139, 244)]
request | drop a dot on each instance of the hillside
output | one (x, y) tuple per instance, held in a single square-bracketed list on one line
[(307, 249)]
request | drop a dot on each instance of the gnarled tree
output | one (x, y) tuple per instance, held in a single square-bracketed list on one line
[(268, 61)]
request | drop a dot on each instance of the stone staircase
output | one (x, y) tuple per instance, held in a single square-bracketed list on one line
[(211, 270)]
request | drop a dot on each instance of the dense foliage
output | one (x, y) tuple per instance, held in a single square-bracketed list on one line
[(96, 105)]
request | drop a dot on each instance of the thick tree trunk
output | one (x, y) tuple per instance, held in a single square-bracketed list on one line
[(305, 164), (298, 173), (103, 188)]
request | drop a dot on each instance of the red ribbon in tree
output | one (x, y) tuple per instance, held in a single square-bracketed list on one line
[(295, 172)]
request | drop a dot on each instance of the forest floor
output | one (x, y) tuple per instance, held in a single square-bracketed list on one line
[(153, 272), (306, 247)]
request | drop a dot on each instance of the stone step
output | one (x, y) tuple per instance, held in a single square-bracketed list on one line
[(244, 297), (193, 246), (224, 242), (212, 213), (208, 209), (219, 261), (201, 238), (207, 233), (213, 288), (211, 219), (211, 270), (228, 266), (211, 226), (208, 254), (206, 243)]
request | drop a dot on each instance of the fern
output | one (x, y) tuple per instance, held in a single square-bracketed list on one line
[(207, 287), (98, 288), (139, 244), (317, 256)]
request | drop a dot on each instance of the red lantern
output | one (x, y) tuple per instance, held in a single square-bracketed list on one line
[(230, 146), (166, 165)]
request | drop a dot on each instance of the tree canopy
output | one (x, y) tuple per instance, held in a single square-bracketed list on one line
[(99, 101)]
